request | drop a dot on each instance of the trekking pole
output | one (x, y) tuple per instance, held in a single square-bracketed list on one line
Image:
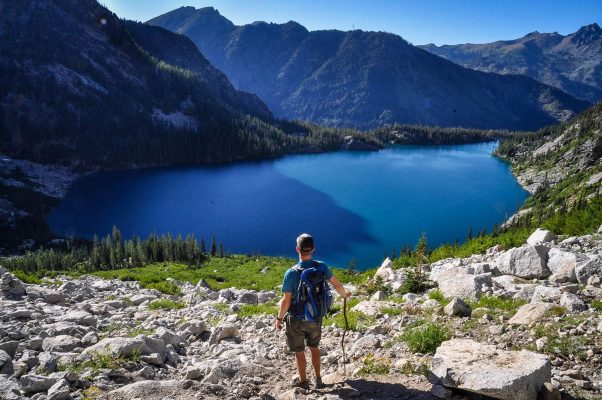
[(343, 337)]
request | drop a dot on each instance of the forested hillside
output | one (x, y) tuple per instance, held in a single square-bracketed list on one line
[(81, 87)]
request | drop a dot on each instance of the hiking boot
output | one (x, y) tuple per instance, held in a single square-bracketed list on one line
[(318, 384), (297, 383)]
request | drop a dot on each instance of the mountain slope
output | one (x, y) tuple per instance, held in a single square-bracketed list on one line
[(562, 167), (363, 79), (79, 86), (572, 63)]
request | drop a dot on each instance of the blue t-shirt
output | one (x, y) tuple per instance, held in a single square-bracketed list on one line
[(291, 277)]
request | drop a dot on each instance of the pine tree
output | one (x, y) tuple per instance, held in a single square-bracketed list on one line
[(221, 250), (351, 266), (212, 252), (203, 248)]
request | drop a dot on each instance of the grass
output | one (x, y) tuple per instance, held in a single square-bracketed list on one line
[(166, 287), (240, 271), (165, 304), (597, 305), (497, 303), (426, 337), (436, 294), (116, 330), (556, 311), (410, 369), (249, 310), (358, 321), (564, 345), (372, 365), (101, 361), (91, 393)]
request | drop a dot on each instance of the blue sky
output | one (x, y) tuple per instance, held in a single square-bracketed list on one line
[(418, 21)]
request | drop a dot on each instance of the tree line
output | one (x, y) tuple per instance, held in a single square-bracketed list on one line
[(113, 252)]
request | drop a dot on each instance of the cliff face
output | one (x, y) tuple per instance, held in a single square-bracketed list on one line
[(364, 79)]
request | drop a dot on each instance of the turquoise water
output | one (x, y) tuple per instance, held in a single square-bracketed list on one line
[(356, 204)]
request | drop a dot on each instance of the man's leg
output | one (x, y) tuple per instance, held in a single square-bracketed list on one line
[(315, 360), (302, 365)]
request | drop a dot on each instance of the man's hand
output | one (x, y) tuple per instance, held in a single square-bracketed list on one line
[(278, 324), (347, 295)]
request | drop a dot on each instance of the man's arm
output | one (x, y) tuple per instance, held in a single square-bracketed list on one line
[(285, 304), (339, 287)]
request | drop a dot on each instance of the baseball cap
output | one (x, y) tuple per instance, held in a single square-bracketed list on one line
[(305, 242)]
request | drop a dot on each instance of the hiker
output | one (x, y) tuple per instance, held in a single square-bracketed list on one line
[(304, 322)]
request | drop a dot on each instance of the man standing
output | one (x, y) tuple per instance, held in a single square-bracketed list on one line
[(299, 330)]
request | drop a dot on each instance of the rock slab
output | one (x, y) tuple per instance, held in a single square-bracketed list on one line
[(483, 369)]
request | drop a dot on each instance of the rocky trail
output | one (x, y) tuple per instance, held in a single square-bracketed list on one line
[(520, 323)]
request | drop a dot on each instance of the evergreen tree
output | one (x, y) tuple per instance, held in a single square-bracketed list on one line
[(212, 252), (351, 266), (221, 250)]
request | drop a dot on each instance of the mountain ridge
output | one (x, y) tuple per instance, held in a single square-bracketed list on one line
[(363, 79), (570, 62)]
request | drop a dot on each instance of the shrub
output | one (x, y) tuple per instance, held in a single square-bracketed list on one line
[(437, 295), (498, 303), (375, 365), (165, 287), (426, 337), (165, 304), (597, 305), (357, 321)]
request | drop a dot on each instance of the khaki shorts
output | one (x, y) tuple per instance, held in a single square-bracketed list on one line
[(299, 332)]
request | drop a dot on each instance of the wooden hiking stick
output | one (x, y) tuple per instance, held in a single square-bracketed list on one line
[(343, 337)]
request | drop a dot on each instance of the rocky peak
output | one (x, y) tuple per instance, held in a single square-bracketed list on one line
[(587, 34)]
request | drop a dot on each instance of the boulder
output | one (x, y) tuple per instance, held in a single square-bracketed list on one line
[(169, 337), (530, 313), (118, 347), (379, 296), (150, 389), (506, 375), (61, 344), (527, 262), (464, 286), (11, 287), (457, 307), (142, 298), (541, 236), (9, 389), (202, 283), (385, 271), (372, 308), (80, 317), (546, 294), (36, 383), (572, 302), (590, 267), (480, 268), (564, 263), (10, 347), (247, 297), (265, 296), (223, 331), (59, 391)]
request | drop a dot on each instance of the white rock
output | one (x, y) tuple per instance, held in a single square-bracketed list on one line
[(457, 307), (125, 347), (61, 344), (564, 263), (379, 296), (541, 236), (541, 343), (169, 337), (215, 376), (10, 286), (464, 286), (372, 308), (59, 391), (80, 317), (36, 383), (9, 389), (141, 298), (530, 313), (483, 369), (546, 294), (590, 267), (572, 302), (223, 331), (385, 271), (527, 261)]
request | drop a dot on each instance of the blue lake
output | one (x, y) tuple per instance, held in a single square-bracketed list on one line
[(356, 204)]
